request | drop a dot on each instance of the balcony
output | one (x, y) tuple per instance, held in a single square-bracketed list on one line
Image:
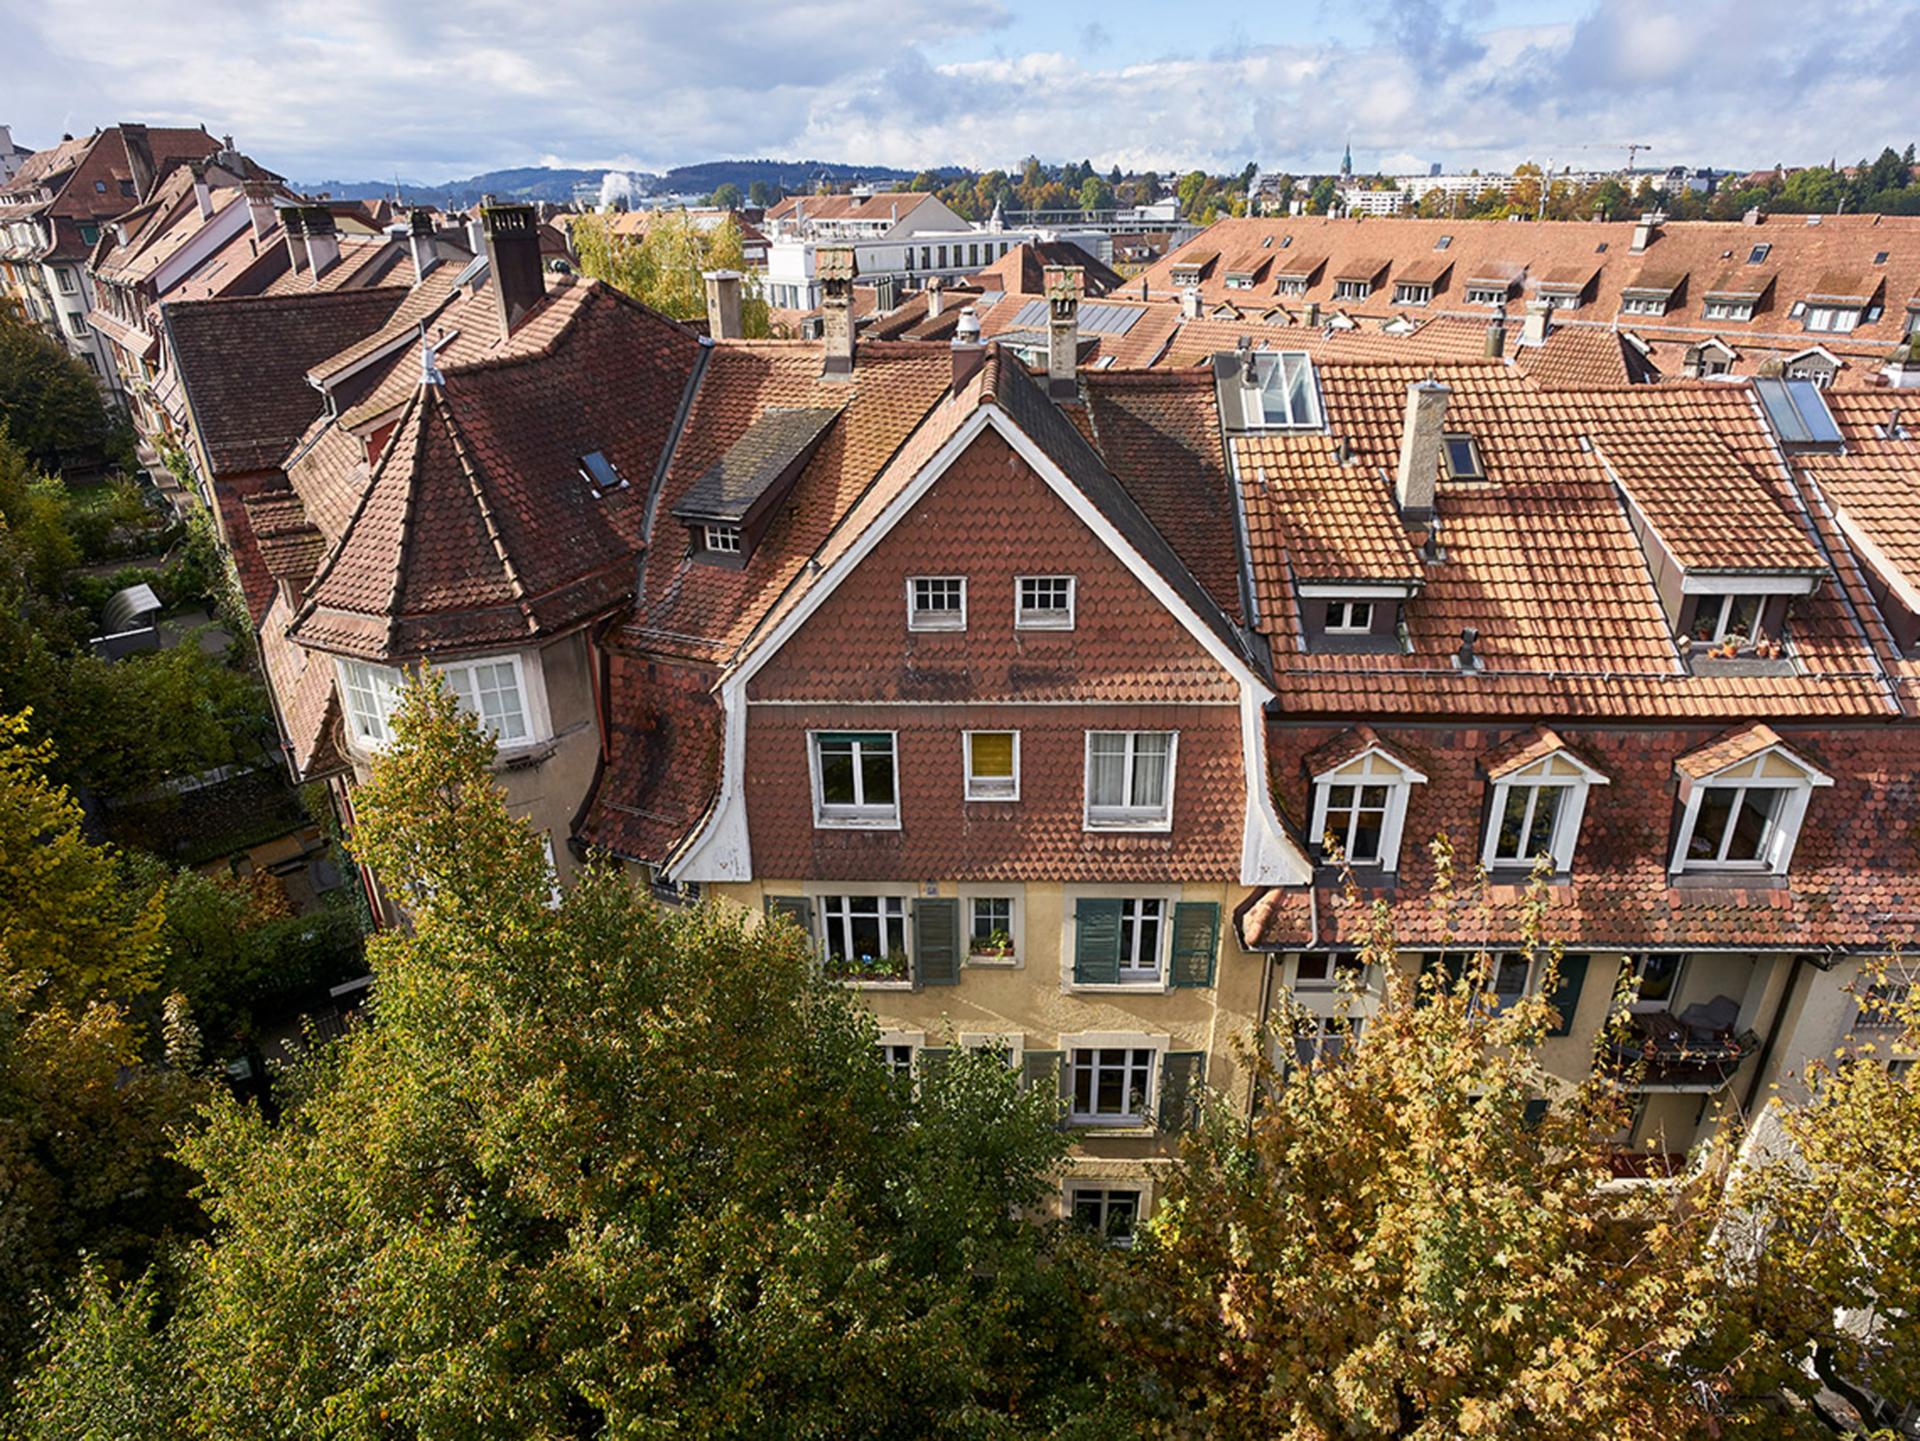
[(1696, 1050)]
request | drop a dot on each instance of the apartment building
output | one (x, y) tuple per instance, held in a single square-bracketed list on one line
[(1830, 299), (52, 213), (1032, 695)]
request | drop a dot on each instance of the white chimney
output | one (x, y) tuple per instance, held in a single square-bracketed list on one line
[(1421, 439), (723, 305), (968, 352), (202, 195), (420, 243), (1190, 303), (936, 296), (323, 246), (1643, 232), (259, 207), (1538, 323)]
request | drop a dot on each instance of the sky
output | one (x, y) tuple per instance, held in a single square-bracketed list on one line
[(363, 90)]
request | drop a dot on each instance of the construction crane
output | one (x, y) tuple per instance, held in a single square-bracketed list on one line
[(1632, 147)]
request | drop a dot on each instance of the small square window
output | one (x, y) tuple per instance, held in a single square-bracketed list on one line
[(854, 779), (1880, 257), (993, 765), (1044, 602), (1349, 617), (1463, 458), (721, 539), (1443, 242), (937, 602)]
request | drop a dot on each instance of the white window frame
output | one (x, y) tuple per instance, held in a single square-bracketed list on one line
[(1488, 295), (1347, 1027), (1345, 609), (1106, 1190), (859, 815), (1549, 772), (931, 619), (1130, 816), (1728, 310), (1024, 619), (1644, 304), (369, 731), (1752, 773), (554, 894), (989, 794), (721, 539), (63, 277), (1372, 767), (886, 899), (1832, 319), (1015, 898), (1412, 293), (1156, 1048), (1291, 285), (528, 718), (1352, 289)]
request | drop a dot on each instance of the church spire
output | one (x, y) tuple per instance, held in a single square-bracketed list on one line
[(1346, 161)]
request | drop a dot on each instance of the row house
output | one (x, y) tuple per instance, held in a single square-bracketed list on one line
[(53, 212), (1833, 299), (1056, 705)]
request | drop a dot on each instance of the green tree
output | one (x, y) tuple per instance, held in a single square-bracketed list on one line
[(1320, 198), (726, 251), (605, 1169), (49, 401), (1404, 1244), (759, 196), (1096, 194), (726, 197)]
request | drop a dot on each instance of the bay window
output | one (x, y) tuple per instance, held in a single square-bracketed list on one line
[(491, 690), (371, 694)]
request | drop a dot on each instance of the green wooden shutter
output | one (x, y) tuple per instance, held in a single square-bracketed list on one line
[(1181, 1075), (797, 909), (1566, 995), (1196, 941), (936, 942), (1096, 943)]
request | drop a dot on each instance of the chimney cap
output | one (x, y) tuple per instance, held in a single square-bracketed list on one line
[(966, 330), (720, 275)]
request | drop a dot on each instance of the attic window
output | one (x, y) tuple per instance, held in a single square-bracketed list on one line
[(1352, 289), (1463, 459), (1289, 396), (1758, 254), (100, 187), (1267, 244), (1880, 257), (1285, 241), (1487, 295), (1443, 242), (1601, 248), (721, 539), (600, 474)]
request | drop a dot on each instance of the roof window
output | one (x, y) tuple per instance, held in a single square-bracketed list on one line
[(601, 474), (1443, 242), (1285, 241), (1758, 254), (1601, 248), (1798, 412), (1880, 257), (1463, 459), (1289, 396)]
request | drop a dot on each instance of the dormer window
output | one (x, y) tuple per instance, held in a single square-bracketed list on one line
[(1743, 799), (1291, 285), (730, 505), (1729, 308), (1408, 294), (1360, 808), (1537, 805), (1722, 617), (1837, 319), (1643, 303), (721, 539), (1349, 617), (1352, 289)]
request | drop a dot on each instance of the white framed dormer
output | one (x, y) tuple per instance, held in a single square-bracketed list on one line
[(1746, 815), (1363, 802), (1537, 809)]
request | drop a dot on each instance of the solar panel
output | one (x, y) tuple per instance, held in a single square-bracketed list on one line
[(1095, 319)]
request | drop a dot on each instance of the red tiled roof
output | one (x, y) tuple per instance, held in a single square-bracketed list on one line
[(1735, 746), (1709, 507)]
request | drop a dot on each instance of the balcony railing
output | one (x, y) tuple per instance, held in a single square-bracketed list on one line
[(1696, 1050)]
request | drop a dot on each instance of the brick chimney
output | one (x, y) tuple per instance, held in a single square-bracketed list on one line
[(259, 195), (202, 195), (833, 267), (1421, 439), (293, 220), (1063, 331), (723, 304), (513, 261), (968, 353), (323, 245), (420, 242), (1538, 324)]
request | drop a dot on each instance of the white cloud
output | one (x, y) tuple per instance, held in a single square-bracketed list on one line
[(360, 88)]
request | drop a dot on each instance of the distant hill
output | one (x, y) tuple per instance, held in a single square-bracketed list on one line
[(538, 182)]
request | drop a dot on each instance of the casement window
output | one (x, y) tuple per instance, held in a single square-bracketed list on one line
[(1323, 970), (63, 276), (1717, 618), (990, 927), (492, 691), (1511, 974), (1816, 372), (1289, 392), (1360, 808), (1043, 602), (372, 695), (1349, 617), (1644, 304), (1746, 816), (77, 323), (897, 1057), (854, 780), (1836, 319), (1130, 780), (1408, 294), (1144, 941), (1728, 309), (864, 935), (1561, 300), (1319, 1039), (1487, 295), (1536, 813), (721, 539), (1656, 980), (1352, 289), (937, 602), (1291, 285), (1883, 1002), (1111, 1085), (1110, 1212), (1239, 280), (993, 765)]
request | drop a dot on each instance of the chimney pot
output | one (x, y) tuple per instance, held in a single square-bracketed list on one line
[(834, 267), (1497, 337), (1063, 331), (1421, 438), (968, 352), (323, 245), (293, 221), (513, 262), (723, 305)]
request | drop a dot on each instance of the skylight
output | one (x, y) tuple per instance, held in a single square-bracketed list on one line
[(1443, 242), (601, 474), (1798, 412), (1880, 257), (1758, 254), (1289, 396)]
